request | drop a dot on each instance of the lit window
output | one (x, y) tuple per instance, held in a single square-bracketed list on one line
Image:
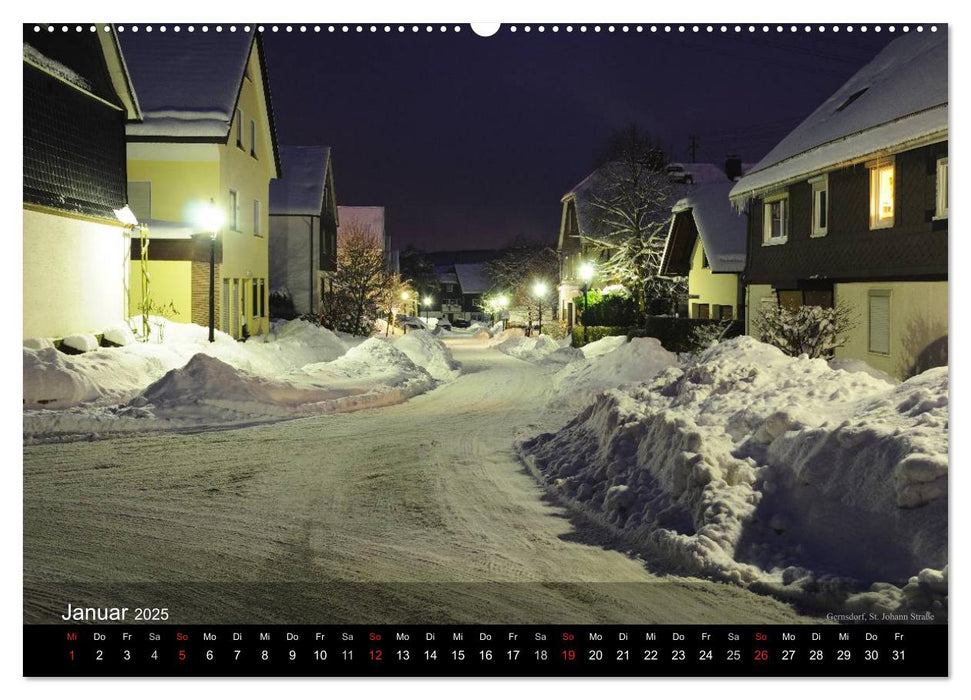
[(820, 205), (239, 128), (252, 137), (256, 217), (941, 212), (881, 195), (775, 220), (878, 321), (234, 210)]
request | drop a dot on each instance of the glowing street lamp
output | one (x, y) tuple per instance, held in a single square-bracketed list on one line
[(539, 291), (210, 219), (427, 301), (404, 298), (586, 274)]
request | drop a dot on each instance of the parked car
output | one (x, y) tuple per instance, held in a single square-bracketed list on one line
[(461, 323)]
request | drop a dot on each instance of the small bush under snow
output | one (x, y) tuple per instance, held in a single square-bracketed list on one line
[(82, 342)]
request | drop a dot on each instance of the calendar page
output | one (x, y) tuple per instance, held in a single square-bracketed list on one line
[(537, 349)]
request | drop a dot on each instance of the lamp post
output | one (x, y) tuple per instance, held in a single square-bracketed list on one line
[(586, 274), (210, 219), (539, 291), (502, 302), (404, 298), (427, 301)]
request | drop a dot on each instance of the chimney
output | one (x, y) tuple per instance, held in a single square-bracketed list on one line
[(733, 167)]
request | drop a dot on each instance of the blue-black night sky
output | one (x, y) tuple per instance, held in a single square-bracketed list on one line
[(470, 142)]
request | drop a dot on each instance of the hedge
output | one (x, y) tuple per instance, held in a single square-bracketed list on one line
[(675, 334)]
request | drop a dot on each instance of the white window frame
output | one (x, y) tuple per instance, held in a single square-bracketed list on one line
[(768, 202), (882, 294), (234, 210), (257, 218), (252, 137), (239, 129), (941, 189), (875, 169), (820, 186)]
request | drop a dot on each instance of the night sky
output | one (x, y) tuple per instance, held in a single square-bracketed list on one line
[(470, 142)]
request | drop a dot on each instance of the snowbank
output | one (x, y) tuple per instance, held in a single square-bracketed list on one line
[(818, 485), (106, 376), (427, 351), (532, 349)]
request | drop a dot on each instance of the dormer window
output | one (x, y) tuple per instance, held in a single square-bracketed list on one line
[(775, 219), (882, 179)]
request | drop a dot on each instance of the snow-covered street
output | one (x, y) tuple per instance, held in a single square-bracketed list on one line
[(414, 512)]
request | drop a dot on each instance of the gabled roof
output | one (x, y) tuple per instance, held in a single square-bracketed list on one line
[(702, 173), (300, 189), (473, 278), (722, 230), (897, 100), (188, 83)]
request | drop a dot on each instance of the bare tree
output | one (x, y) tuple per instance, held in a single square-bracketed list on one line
[(395, 295), (631, 198), (358, 281), (516, 272)]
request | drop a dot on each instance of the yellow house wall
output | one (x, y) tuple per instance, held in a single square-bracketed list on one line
[(918, 325), (75, 272), (705, 287), (170, 281), (178, 186)]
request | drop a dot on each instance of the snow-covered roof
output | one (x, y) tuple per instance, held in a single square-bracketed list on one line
[(34, 56), (897, 100), (300, 188), (447, 277), (187, 83), (473, 278), (722, 229)]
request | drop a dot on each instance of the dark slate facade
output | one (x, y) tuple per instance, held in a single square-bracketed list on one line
[(914, 248), (74, 143)]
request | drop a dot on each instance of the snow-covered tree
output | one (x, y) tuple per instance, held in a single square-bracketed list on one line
[(631, 202), (815, 331), (358, 282)]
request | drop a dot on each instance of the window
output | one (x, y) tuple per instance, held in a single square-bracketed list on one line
[(820, 187), (252, 137), (726, 312), (881, 195), (234, 210), (254, 284), (941, 209), (140, 200), (775, 220), (256, 218), (878, 321), (701, 310), (704, 259), (262, 298), (239, 128)]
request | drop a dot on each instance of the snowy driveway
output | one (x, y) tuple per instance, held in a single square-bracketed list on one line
[(417, 512)]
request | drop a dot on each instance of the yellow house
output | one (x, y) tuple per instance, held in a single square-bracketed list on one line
[(207, 135), (706, 244)]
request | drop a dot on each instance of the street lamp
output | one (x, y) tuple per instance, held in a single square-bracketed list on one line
[(539, 291), (586, 274), (427, 301), (502, 301), (404, 298), (210, 219)]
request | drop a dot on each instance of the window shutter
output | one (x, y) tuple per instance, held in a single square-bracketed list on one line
[(140, 200), (879, 322)]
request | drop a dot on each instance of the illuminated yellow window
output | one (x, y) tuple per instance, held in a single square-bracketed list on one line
[(881, 196)]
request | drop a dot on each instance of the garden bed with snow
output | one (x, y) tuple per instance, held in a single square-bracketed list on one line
[(821, 486)]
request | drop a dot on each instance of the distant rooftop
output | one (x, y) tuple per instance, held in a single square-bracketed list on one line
[(300, 188)]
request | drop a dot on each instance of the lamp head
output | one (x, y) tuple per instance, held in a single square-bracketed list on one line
[(586, 271), (427, 301), (539, 289), (210, 218)]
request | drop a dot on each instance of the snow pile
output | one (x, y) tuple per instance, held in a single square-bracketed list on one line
[(38, 343), (607, 364), (821, 486), (119, 334), (532, 349), (427, 351), (106, 376), (82, 342)]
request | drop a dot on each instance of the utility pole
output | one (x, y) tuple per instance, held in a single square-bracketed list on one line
[(693, 143)]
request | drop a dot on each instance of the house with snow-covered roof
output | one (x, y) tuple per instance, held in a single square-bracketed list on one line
[(78, 98), (207, 136), (706, 243), (303, 227), (851, 208)]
